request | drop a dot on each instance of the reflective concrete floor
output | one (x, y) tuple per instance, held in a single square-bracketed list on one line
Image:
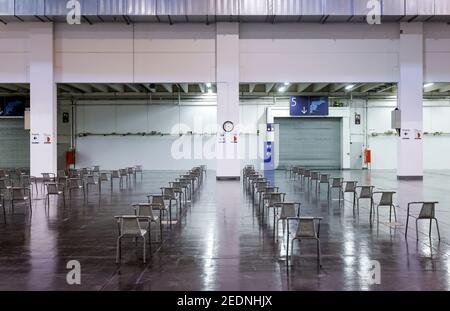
[(222, 244)]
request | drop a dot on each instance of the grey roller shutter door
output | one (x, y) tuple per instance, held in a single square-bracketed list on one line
[(310, 142), (14, 144)]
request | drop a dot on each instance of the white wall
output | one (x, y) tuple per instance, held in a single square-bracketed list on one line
[(154, 152)]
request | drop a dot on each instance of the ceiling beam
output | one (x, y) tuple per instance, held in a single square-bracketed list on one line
[(10, 87), (269, 87), (432, 88), (133, 88), (302, 86), (147, 87), (319, 86), (445, 88), (386, 88), (100, 87), (68, 88), (336, 87), (168, 87), (117, 87), (184, 87), (82, 87), (370, 87)]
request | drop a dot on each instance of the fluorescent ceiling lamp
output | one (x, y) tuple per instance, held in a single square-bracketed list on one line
[(208, 84), (282, 89), (286, 83), (210, 91), (428, 84), (349, 87)]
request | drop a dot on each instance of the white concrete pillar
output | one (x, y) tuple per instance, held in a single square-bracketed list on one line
[(410, 102), (43, 155), (227, 79)]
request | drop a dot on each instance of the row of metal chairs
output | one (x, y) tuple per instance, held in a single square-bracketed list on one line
[(158, 210), (65, 181), (269, 198), (377, 199)]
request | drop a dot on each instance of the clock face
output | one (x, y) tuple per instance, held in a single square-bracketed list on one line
[(228, 126)]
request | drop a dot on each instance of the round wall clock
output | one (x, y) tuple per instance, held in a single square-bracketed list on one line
[(228, 126)]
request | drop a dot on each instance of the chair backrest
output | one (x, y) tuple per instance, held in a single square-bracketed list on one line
[(129, 225), (336, 182), (307, 173), (324, 178), (123, 172), (287, 210), (4, 183), (168, 193), (25, 181), (387, 198), (91, 179), (74, 173), (19, 193), (427, 210), (52, 188), (96, 168), (275, 197), (75, 182), (306, 228), (115, 174), (130, 170), (138, 168), (104, 177), (145, 209), (366, 192), (157, 199), (46, 177), (3, 174), (61, 173), (350, 186), (315, 175)]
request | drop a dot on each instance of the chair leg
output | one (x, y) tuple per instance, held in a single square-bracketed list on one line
[(395, 213), (406, 228), (319, 254), (417, 229), (4, 213), (437, 228), (144, 247), (429, 230), (118, 249)]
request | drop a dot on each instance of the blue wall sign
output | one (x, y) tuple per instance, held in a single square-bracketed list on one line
[(308, 106)]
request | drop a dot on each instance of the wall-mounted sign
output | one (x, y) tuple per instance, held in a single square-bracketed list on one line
[(357, 119), (221, 138), (35, 139), (65, 117), (270, 127), (47, 139), (405, 134), (308, 106), (418, 134)]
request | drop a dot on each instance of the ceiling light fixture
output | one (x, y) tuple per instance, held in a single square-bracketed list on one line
[(428, 84), (349, 87)]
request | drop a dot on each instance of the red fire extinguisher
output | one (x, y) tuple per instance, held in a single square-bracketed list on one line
[(70, 157), (368, 156)]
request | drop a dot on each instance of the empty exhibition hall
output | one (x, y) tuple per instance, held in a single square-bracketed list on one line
[(213, 146)]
